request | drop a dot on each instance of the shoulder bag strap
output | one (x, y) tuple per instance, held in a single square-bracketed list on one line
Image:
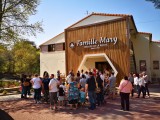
[(125, 85), (96, 82)]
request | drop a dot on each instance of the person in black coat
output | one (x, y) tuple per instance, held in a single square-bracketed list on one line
[(100, 97)]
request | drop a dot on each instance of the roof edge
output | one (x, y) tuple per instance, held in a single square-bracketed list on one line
[(51, 39), (156, 41), (104, 14), (145, 33)]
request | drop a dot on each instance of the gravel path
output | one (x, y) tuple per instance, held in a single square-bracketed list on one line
[(143, 109)]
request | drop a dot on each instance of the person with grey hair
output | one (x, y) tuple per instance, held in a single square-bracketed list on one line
[(142, 86), (112, 86), (145, 77)]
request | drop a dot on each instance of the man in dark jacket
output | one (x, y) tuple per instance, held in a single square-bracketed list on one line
[(90, 88)]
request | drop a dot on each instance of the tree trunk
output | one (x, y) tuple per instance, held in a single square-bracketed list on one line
[(1, 14)]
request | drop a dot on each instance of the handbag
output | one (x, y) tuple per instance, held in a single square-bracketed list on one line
[(97, 90), (26, 83)]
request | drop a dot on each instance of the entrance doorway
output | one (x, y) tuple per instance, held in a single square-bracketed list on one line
[(89, 61), (101, 66)]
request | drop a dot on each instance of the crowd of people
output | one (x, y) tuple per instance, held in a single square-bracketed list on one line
[(90, 86)]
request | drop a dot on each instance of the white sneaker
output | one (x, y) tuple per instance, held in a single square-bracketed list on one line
[(38, 102)]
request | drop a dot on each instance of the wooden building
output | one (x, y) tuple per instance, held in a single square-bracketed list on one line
[(100, 41)]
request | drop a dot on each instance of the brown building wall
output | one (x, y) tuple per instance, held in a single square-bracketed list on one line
[(118, 54)]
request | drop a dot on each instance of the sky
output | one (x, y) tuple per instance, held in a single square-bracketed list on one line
[(60, 14)]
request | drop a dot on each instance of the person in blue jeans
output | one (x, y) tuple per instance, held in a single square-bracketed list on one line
[(36, 82), (45, 87), (90, 88)]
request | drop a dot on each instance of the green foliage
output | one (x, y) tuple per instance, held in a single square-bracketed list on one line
[(23, 57), (14, 17), (4, 92), (26, 58), (18, 56), (7, 84), (156, 3), (3, 58)]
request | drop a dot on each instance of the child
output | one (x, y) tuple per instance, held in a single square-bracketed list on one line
[(82, 96), (61, 95)]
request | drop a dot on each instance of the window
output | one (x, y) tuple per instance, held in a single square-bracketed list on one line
[(56, 47), (59, 47), (51, 47), (156, 65), (142, 65), (63, 46)]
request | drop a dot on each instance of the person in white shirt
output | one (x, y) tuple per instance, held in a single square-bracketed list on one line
[(36, 82), (145, 76), (68, 78), (86, 75), (141, 85), (53, 89), (81, 73), (102, 77), (136, 83)]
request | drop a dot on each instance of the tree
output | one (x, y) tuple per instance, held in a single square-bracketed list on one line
[(6, 60), (26, 58), (14, 17), (2, 57), (156, 3)]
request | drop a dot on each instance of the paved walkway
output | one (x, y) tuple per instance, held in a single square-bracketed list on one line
[(10, 97), (143, 109)]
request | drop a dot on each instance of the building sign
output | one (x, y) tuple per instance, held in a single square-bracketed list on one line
[(94, 43)]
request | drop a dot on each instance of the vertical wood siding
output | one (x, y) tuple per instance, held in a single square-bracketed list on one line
[(118, 53)]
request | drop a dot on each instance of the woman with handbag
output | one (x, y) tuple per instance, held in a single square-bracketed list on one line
[(26, 85), (125, 89)]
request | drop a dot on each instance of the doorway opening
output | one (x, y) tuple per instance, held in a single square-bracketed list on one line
[(101, 66), (99, 61)]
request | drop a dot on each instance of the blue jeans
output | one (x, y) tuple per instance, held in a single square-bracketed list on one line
[(26, 90), (92, 98), (37, 94), (22, 92)]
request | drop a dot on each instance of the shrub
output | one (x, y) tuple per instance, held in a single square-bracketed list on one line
[(4, 92), (7, 84)]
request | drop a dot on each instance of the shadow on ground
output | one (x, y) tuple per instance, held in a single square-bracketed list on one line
[(140, 108)]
